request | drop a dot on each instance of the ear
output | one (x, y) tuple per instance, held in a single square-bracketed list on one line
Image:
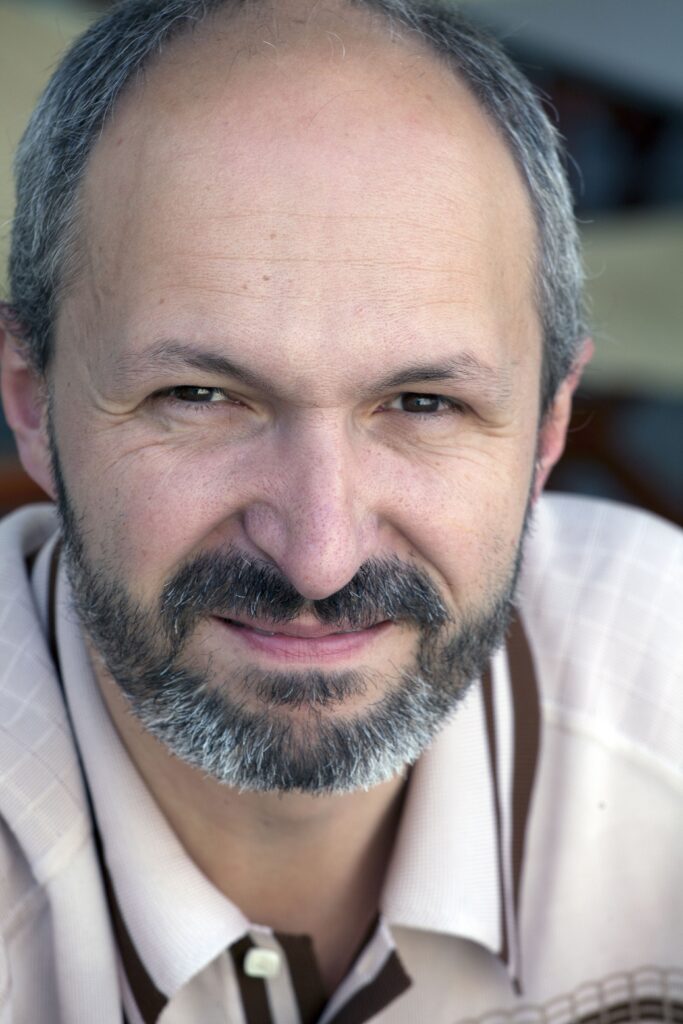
[(24, 398), (553, 432)]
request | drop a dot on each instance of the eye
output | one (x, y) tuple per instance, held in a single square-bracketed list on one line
[(421, 404), (193, 394), (196, 399)]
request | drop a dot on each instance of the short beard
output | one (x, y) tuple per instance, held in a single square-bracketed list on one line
[(269, 749)]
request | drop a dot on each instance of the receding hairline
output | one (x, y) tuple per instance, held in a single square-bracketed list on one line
[(111, 56), (251, 20), (272, 28)]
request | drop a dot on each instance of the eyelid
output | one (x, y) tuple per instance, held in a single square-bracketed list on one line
[(454, 404), (166, 397), (168, 392)]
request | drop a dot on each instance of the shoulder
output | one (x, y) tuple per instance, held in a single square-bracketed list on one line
[(27, 528), (584, 537), (39, 768), (22, 533), (601, 596), (618, 566)]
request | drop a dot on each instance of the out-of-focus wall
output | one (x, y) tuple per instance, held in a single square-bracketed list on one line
[(634, 263)]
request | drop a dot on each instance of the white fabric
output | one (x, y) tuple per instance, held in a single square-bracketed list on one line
[(601, 599), (464, 900)]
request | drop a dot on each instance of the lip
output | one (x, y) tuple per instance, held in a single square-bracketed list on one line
[(301, 641)]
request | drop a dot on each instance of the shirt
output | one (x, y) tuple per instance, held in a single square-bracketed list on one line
[(536, 873), (191, 939)]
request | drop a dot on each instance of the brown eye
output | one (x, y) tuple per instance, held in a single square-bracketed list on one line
[(420, 403), (425, 405), (195, 394)]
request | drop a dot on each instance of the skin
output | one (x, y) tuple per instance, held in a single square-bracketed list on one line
[(327, 215)]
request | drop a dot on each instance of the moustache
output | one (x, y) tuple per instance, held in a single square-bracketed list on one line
[(229, 584)]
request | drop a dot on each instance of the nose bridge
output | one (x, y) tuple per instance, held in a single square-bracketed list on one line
[(319, 448), (315, 522)]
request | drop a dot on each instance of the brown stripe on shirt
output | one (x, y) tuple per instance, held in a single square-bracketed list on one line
[(391, 982), (252, 990), (527, 712), (305, 975)]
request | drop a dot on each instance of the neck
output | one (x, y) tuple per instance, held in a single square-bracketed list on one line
[(298, 863)]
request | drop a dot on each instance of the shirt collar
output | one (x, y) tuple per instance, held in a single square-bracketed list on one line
[(459, 854), (177, 919)]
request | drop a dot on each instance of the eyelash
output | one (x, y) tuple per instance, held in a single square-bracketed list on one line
[(167, 395), (452, 406)]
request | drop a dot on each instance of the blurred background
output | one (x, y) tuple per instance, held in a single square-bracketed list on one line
[(611, 74)]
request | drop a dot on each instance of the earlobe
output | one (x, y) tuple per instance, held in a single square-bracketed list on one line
[(24, 399), (553, 432)]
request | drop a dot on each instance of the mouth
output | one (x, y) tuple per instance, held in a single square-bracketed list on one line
[(301, 640), (304, 630)]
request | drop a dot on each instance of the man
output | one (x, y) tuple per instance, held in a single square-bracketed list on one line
[(294, 330)]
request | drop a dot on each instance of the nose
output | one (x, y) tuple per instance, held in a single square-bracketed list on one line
[(312, 517)]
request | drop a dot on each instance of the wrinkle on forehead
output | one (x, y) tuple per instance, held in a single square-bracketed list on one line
[(308, 114)]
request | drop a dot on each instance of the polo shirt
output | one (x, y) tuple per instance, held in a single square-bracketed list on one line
[(191, 941), (536, 874)]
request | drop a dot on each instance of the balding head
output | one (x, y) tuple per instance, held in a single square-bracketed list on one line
[(68, 121)]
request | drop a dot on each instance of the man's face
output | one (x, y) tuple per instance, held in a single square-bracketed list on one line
[(303, 343)]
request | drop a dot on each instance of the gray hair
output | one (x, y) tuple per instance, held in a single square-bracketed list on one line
[(83, 92)]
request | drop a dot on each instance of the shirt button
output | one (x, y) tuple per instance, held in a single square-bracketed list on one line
[(262, 963)]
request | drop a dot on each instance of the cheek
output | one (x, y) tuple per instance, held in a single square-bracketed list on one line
[(146, 512), (466, 522)]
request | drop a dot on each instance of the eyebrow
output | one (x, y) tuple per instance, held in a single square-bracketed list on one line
[(172, 355), (465, 368), (493, 383)]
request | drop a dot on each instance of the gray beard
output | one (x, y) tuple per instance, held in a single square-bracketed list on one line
[(270, 749)]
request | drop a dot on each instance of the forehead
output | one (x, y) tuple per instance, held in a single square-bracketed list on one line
[(313, 171)]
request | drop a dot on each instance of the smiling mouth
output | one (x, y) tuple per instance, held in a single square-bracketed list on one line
[(303, 641), (298, 630)]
